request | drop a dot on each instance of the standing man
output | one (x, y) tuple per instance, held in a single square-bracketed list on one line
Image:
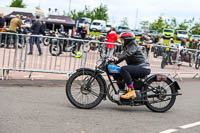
[(28, 23), (35, 30), (62, 29), (83, 32), (2, 29), (2, 22), (14, 24), (111, 38)]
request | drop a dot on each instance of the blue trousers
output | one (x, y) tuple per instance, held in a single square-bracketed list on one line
[(37, 42)]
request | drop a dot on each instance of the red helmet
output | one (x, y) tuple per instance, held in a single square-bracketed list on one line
[(127, 35)]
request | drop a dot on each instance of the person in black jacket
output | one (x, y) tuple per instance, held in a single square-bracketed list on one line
[(137, 65), (35, 30)]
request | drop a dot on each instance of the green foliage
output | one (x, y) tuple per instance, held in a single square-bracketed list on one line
[(97, 13), (186, 24), (145, 23), (196, 29), (171, 23), (17, 3), (124, 21), (158, 25)]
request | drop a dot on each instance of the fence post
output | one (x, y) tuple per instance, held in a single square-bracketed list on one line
[(176, 63)]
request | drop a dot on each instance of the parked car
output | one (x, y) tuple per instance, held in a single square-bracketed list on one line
[(137, 32), (182, 34), (121, 29), (98, 25), (152, 33), (195, 37), (168, 33), (82, 22)]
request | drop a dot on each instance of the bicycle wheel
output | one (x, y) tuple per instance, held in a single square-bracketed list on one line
[(84, 90), (160, 95)]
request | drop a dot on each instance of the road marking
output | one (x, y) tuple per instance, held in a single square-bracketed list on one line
[(182, 127), (169, 131), (190, 125)]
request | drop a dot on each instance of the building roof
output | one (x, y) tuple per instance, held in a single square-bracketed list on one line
[(24, 14), (56, 19)]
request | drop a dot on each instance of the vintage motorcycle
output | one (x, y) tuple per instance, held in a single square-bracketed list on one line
[(60, 45), (86, 88)]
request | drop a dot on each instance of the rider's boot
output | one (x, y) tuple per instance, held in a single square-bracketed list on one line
[(131, 94)]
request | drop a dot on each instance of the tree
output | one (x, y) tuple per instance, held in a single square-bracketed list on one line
[(124, 21), (17, 3), (186, 24), (171, 23), (97, 13), (144, 23), (101, 12), (158, 25), (195, 29)]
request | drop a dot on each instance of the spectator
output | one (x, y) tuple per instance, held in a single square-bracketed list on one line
[(183, 43), (2, 29), (27, 25), (2, 22), (112, 38), (161, 41), (194, 44), (171, 43), (83, 32), (14, 24), (35, 29), (62, 29), (190, 43), (156, 39), (43, 28)]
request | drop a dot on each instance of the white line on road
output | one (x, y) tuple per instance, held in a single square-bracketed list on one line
[(190, 125), (182, 127), (169, 131)]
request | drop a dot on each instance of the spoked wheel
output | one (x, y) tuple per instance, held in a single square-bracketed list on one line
[(155, 53), (197, 64), (55, 49), (161, 95), (46, 41), (163, 63), (85, 91)]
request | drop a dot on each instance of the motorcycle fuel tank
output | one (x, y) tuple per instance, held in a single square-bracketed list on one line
[(113, 69)]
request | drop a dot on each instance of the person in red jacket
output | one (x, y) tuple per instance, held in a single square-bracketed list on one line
[(112, 38)]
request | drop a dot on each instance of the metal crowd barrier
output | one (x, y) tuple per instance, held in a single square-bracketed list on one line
[(17, 59)]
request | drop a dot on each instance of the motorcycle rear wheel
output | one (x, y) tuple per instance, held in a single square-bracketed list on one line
[(159, 93)]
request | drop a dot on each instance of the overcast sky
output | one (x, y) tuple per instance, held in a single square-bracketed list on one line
[(118, 9)]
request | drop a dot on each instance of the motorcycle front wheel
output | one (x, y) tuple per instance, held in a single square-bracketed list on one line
[(197, 64), (46, 41), (55, 49), (85, 91)]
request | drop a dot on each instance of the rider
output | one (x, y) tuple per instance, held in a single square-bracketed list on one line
[(137, 64)]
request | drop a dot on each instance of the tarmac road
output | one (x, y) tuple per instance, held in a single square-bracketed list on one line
[(46, 110)]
